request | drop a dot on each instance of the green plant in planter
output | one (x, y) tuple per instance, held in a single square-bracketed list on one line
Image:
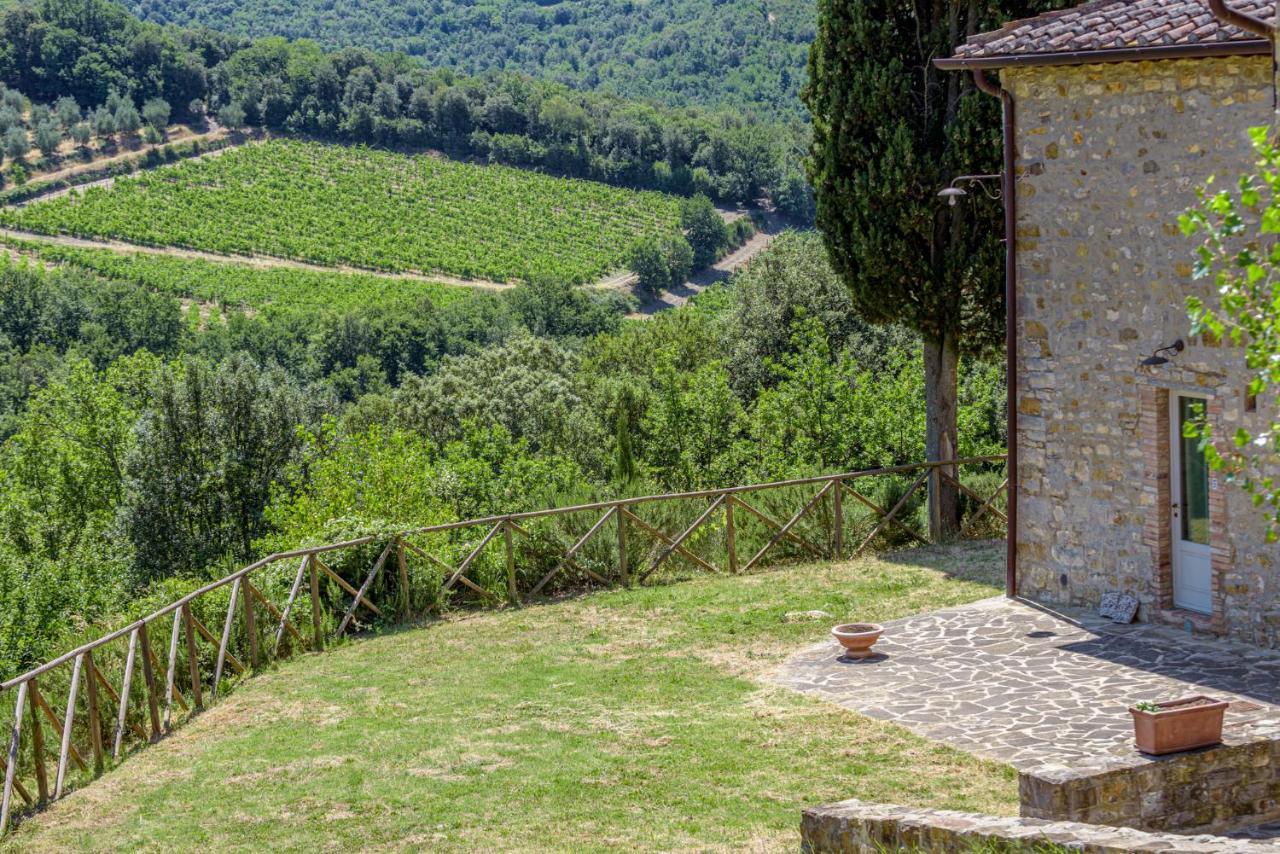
[(1147, 706)]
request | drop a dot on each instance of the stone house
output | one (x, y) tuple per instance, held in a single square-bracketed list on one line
[(1115, 111)]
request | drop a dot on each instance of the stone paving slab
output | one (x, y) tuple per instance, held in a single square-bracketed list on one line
[(1042, 691)]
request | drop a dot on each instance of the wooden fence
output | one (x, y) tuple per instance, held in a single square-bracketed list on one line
[(96, 709)]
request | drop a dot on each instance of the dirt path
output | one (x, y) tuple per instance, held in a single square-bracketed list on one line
[(718, 272), (260, 261)]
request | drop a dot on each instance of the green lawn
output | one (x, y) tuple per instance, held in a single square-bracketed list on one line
[(621, 720)]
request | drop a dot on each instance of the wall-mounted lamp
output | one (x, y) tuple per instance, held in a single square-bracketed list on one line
[(954, 191), (1163, 355)]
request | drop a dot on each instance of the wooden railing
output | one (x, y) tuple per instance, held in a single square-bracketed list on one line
[(104, 705)]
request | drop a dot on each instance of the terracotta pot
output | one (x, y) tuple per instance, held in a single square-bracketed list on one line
[(1179, 725), (857, 638)]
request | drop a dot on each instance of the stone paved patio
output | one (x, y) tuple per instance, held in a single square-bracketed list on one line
[(1040, 690)]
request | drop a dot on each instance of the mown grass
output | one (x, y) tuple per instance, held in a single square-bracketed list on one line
[(621, 720)]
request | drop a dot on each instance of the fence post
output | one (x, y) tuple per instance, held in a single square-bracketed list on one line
[(171, 672), (513, 595), (11, 769), (193, 658), (624, 567), (316, 627), (122, 714), (251, 625), (37, 743), (68, 721), (730, 535), (837, 510), (149, 679), (223, 646), (403, 566), (95, 712)]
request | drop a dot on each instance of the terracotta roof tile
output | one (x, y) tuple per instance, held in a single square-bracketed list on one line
[(1109, 24)]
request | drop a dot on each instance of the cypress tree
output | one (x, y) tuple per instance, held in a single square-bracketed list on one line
[(889, 131)]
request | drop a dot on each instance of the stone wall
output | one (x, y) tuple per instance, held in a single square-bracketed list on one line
[(1108, 156), (1222, 789), (857, 827)]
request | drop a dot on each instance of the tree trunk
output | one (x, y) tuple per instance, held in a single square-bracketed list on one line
[(940, 362)]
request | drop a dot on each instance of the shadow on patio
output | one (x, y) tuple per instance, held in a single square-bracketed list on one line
[(1014, 682)]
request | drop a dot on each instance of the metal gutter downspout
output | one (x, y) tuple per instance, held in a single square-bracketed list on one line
[(1007, 187)]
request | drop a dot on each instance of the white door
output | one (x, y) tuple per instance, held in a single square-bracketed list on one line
[(1189, 488)]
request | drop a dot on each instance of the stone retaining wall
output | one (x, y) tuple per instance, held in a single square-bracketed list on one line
[(1217, 790), (856, 826)]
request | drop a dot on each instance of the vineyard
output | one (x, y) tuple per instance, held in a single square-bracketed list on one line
[(338, 205), (234, 285)]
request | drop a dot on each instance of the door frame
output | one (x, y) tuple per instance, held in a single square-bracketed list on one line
[(1181, 549), (1154, 434)]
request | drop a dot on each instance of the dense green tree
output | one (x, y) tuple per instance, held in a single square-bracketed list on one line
[(825, 413), (890, 130), (528, 386), (724, 53), (647, 260), (232, 116), (555, 308), (206, 455), (790, 282), (156, 113), (704, 228), (691, 425)]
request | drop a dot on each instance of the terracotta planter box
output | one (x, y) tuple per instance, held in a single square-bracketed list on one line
[(1179, 725)]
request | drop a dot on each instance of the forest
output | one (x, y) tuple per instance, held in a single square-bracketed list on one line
[(164, 419), (94, 53), (741, 54), (146, 450)]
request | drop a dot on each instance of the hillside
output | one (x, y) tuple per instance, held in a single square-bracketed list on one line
[(739, 54), (335, 205), (389, 100), (624, 720)]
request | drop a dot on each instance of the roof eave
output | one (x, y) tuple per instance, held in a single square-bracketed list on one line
[(1202, 50)]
